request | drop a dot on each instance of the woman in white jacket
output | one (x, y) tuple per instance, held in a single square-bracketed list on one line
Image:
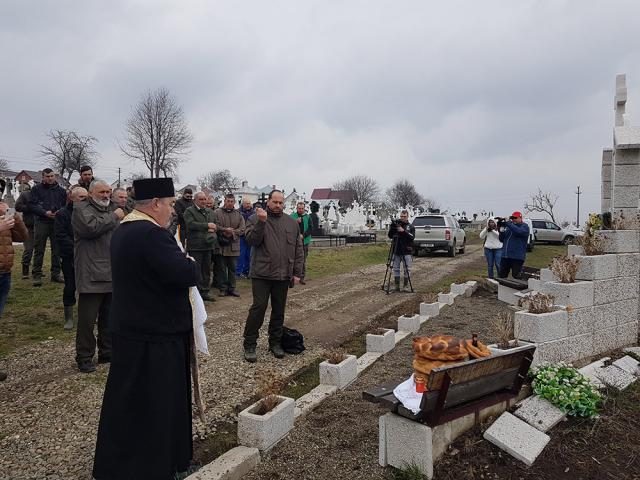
[(492, 246)]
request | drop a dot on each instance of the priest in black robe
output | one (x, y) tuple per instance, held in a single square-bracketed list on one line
[(145, 423)]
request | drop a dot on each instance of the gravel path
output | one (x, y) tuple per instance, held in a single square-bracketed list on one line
[(50, 411)]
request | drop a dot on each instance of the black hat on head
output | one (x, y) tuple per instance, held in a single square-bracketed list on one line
[(148, 188)]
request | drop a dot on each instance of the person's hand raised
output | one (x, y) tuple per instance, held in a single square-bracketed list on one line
[(119, 213), (7, 224), (262, 214)]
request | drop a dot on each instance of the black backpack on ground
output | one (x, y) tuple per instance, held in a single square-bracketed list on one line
[(292, 341)]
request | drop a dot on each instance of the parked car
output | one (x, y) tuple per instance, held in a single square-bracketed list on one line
[(548, 231), (531, 241), (438, 232)]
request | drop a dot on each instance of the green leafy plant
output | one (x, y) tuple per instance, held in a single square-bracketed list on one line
[(566, 388)]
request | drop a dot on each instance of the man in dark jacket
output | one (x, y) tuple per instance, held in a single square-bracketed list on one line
[(402, 233), (23, 206), (46, 199), (93, 224), (242, 269), (230, 227), (180, 207), (276, 262), (304, 223), (513, 235), (201, 239), (145, 423), (63, 233), (86, 177)]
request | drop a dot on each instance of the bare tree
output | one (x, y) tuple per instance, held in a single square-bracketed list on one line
[(366, 188), (219, 181), (404, 193), (157, 133), (542, 202), (67, 151), (430, 203), (4, 165)]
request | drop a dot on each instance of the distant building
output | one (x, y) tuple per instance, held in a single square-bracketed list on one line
[(324, 196)]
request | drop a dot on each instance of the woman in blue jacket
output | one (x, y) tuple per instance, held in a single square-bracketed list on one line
[(513, 235)]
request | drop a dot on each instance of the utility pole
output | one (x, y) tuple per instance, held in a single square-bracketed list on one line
[(119, 177), (578, 192)]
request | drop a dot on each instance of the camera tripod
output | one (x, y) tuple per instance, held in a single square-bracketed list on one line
[(386, 284)]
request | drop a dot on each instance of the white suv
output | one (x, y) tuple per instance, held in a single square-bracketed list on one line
[(435, 231), (547, 231)]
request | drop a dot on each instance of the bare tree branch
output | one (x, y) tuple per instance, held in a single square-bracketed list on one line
[(366, 188), (219, 181), (403, 193), (67, 151), (157, 134), (542, 202)]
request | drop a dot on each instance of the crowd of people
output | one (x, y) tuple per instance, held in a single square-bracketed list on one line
[(505, 245)]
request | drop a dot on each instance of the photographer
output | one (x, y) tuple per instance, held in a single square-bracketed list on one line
[(403, 233), (513, 235), (492, 246)]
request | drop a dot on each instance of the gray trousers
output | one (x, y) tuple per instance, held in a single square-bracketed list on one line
[(398, 267), (92, 306), (263, 290)]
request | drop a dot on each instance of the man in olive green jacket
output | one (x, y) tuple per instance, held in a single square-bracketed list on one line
[(276, 261), (230, 223), (200, 240)]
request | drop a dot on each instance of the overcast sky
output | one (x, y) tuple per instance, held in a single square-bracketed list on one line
[(477, 103)]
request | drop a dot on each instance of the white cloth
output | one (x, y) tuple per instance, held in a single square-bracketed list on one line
[(406, 393), (492, 239)]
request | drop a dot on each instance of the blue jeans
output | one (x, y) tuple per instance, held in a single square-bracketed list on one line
[(244, 260), (5, 285), (493, 256)]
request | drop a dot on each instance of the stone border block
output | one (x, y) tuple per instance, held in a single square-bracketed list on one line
[(366, 360), (534, 284), (577, 294), (629, 365), (406, 443), (430, 309), (539, 413), (615, 289), (409, 324), (616, 377), (339, 375), (264, 431), (627, 334), (574, 250), (589, 371), (381, 343), (458, 288), (546, 275), (626, 196), (581, 320), (628, 264), (541, 327), (619, 241), (508, 295), (231, 465), (446, 298), (597, 267), (634, 350), (309, 401), (605, 339), (517, 438)]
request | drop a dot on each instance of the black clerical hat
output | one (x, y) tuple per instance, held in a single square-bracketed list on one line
[(147, 188)]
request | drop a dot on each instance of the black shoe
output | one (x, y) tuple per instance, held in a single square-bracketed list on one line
[(222, 294), (104, 359), (3, 376), (25, 272), (233, 293), (277, 351), (86, 366), (37, 281), (57, 279), (250, 354), (207, 298)]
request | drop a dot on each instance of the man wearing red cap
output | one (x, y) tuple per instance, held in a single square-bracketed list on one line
[(513, 235)]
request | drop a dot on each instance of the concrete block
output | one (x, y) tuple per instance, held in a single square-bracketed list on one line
[(409, 324), (541, 327), (590, 370), (619, 241), (366, 360), (522, 344), (231, 465), (408, 443), (423, 319), (517, 438), (401, 335), (628, 264), (446, 298), (339, 375), (568, 349), (605, 340), (626, 334), (491, 285), (633, 350), (429, 309), (458, 288), (508, 295), (309, 401), (627, 141), (534, 284), (382, 440), (539, 413), (575, 250), (615, 289), (626, 197), (473, 284), (615, 377), (597, 267), (605, 316), (629, 365), (443, 435), (264, 431), (381, 343), (627, 175), (581, 320), (546, 275), (577, 294)]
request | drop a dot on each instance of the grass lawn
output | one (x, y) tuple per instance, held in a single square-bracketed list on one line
[(334, 261)]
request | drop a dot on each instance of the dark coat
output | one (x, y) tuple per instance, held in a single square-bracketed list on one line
[(277, 247), (22, 206), (180, 207), (46, 198), (63, 232), (404, 243), (197, 229), (145, 424), (514, 239)]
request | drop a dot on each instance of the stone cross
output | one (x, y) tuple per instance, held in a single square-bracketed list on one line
[(621, 100)]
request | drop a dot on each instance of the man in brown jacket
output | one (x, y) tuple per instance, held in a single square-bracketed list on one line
[(93, 223), (230, 225), (276, 261)]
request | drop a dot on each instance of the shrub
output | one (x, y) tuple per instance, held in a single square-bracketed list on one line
[(335, 355), (270, 383), (502, 326), (430, 297), (566, 388), (565, 268), (538, 303), (591, 244)]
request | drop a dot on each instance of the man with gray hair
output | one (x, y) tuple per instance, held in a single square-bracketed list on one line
[(119, 199), (200, 240), (93, 223)]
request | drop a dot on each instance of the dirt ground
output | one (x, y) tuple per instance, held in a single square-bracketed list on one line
[(340, 439), (50, 411)]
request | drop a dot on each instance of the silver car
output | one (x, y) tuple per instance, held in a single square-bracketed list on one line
[(548, 231), (436, 231)]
